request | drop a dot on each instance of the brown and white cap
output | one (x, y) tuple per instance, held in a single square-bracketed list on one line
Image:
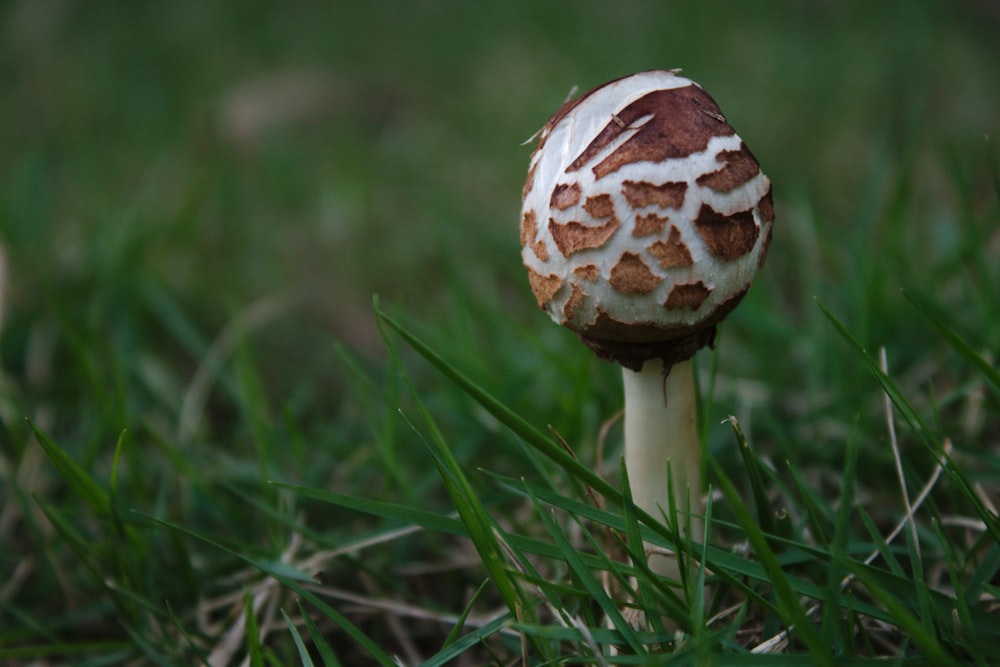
[(645, 218)]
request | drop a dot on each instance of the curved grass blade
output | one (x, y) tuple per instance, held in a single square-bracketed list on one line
[(79, 481), (300, 645), (990, 374), (322, 647), (505, 415), (594, 588)]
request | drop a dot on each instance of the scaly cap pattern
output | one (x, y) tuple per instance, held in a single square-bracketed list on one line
[(644, 218)]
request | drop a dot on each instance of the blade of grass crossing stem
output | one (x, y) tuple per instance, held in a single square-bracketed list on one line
[(725, 565), (505, 415), (363, 641), (589, 581), (927, 436), (648, 581), (793, 615), (704, 402), (910, 625), (322, 647), (300, 646), (990, 374)]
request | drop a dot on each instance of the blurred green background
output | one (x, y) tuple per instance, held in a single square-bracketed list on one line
[(170, 168)]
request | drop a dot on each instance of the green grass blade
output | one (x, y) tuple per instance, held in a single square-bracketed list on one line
[(322, 647), (476, 519), (300, 646), (464, 616), (765, 512), (832, 627), (984, 573), (254, 652), (793, 614), (460, 646), (81, 483), (505, 415), (386, 510), (593, 587), (988, 372), (899, 401), (911, 626)]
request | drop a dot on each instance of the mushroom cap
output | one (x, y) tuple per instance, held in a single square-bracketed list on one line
[(644, 218)]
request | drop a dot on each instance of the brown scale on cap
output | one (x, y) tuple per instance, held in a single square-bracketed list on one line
[(631, 275), (728, 237), (600, 206), (529, 231), (687, 295), (666, 195), (766, 210), (672, 252), (528, 182), (576, 297), (575, 236), (565, 195), (740, 167), (649, 224), (544, 287), (587, 272), (683, 120)]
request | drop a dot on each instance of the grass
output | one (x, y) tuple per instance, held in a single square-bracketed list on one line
[(215, 450)]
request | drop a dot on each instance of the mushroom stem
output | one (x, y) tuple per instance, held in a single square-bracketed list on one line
[(660, 433)]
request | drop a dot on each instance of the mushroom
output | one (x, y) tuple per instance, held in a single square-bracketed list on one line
[(644, 220)]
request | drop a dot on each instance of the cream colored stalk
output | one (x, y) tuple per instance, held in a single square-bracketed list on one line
[(662, 450)]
